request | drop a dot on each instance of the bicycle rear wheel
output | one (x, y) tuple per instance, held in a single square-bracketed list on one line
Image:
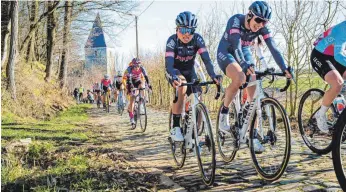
[(316, 140), (177, 148), (107, 102), (205, 146), (339, 150), (142, 114), (272, 162), (226, 143)]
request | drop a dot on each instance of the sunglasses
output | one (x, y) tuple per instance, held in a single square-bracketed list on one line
[(185, 30), (260, 20)]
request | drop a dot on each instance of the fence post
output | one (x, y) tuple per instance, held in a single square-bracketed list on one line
[(160, 93)]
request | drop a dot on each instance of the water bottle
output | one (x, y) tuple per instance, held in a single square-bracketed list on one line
[(339, 103)]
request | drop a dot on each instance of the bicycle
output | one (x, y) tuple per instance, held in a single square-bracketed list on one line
[(193, 141), (107, 99), (339, 150), (272, 118), (121, 102), (317, 141), (140, 110)]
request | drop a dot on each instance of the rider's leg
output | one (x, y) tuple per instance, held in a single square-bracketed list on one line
[(251, 90), (234, 72), (176, 111), (334, 79)]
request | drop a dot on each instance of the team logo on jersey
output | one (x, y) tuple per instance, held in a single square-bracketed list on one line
[(184, 59), (171, 44), (221, 56), (236, 22), (200, 39)]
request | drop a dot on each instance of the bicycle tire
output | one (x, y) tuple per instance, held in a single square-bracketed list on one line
[(287, 152), (209, 142), (338, 138), (142, 122), (179, 162), (219, 135), (311, 146)]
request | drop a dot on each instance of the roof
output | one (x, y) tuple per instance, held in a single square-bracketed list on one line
[(97, 36)]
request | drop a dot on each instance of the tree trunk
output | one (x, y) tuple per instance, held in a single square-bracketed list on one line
[(11, 86), (65, 51), (5, 21), (33, 19), (51, 24)]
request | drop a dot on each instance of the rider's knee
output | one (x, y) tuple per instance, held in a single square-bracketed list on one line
[(239, 78)]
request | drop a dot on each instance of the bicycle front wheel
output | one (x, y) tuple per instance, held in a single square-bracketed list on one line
[(339, 150), (316, 140), (270, 146), (226, 143), (177, 148), (142, 114), (205, 146)]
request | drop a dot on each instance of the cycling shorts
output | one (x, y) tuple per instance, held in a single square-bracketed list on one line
[(189, 77), (136, 84), (322, 63), (105, 88), (118, 85)]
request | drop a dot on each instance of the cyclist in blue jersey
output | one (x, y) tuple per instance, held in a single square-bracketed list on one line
[(234, 55), (328, 59), (181, 50)]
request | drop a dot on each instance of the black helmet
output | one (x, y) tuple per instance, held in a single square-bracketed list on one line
[(261, 9), (186, 19)]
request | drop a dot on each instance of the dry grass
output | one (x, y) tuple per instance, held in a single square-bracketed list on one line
[(35, 97)]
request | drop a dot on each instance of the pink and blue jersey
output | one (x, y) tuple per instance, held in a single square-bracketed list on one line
[(333, 42)]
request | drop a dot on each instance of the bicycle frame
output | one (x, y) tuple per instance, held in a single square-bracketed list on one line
[(254, 106), (191, 124)]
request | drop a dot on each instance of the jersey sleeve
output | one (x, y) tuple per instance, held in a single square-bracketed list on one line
[(169, 56), (266, 34), (202, 50), (340, 43), (234, 39), (145, 74)]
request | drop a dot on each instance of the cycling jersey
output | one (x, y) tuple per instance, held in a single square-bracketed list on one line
[(181, 57), (235, 44), (136, 75), (96, 87), (106, 83), (333, 43)]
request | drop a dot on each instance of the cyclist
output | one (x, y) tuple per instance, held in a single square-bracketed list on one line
[(234, 55), (106, 83), (328, 59), (181, 50), (80, 92), (97, 91), (118, 84), (134, 79)]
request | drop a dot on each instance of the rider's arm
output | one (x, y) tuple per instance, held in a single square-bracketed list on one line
[(265, 32), (169, 57), (340, 43), (202, 50), (234, 39), (199, 70), (145, 74)]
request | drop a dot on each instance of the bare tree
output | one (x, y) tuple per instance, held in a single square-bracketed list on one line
[(11, 85), (51, 24), (33, 19), (5, 23), (65, 51)]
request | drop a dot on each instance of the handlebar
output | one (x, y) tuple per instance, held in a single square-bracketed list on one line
[(270, 71), (197, 83)]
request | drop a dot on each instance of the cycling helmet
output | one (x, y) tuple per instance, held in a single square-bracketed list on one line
[(186, 19), (106, 76), (119, 74), (136, 62), (261, 9)]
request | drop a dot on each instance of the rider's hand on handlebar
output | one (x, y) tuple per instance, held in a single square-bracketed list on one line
[(176, 82), (217, 79), (249, 69), (288, 74)]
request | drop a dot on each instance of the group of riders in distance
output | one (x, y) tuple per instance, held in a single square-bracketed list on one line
[(235, 59)]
